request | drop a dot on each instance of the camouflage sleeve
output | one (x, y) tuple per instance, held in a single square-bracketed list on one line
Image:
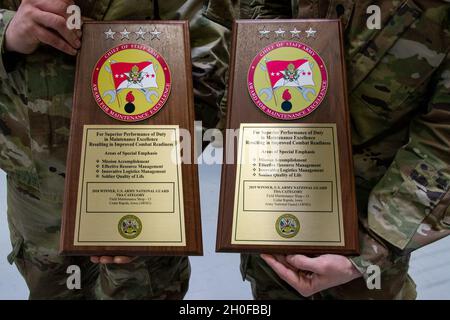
[(410, 206), (210, 40), (15, 153), (268, 9), (222, 12), (15, 156), (5, 18)]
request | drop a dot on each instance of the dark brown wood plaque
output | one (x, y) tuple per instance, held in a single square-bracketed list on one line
[(253, 217), (110, 211)]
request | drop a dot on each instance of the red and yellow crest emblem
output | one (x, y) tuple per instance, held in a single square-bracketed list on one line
[(131, 82), (287, 80)]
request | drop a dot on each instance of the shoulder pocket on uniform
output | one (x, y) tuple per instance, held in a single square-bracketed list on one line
[(403, 209), (424, 185)]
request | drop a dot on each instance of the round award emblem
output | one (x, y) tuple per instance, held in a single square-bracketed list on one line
[(287, 80), (287, 226), (131, 82), (130, 227)]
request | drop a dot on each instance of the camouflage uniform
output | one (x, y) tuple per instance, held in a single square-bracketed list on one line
[(399, 96), (35, 109)]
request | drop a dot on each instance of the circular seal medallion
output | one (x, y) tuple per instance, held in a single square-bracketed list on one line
[(131, 82), (287, 226), (287, 80), (130, 227)]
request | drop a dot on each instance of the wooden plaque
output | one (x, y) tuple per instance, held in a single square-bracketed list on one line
[(290, 188), (127, 191)]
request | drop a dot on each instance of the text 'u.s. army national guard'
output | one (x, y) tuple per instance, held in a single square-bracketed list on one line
[(37, 76), (399, 96)]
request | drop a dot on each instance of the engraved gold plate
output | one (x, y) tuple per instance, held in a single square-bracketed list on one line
[(130, 187), (288, 187)]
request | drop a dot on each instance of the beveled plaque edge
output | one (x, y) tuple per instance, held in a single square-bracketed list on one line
[(194, 229), (223, 244)]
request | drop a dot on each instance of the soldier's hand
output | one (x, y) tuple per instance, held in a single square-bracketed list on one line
[(109, 259), (41, 21), (311, 275)]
